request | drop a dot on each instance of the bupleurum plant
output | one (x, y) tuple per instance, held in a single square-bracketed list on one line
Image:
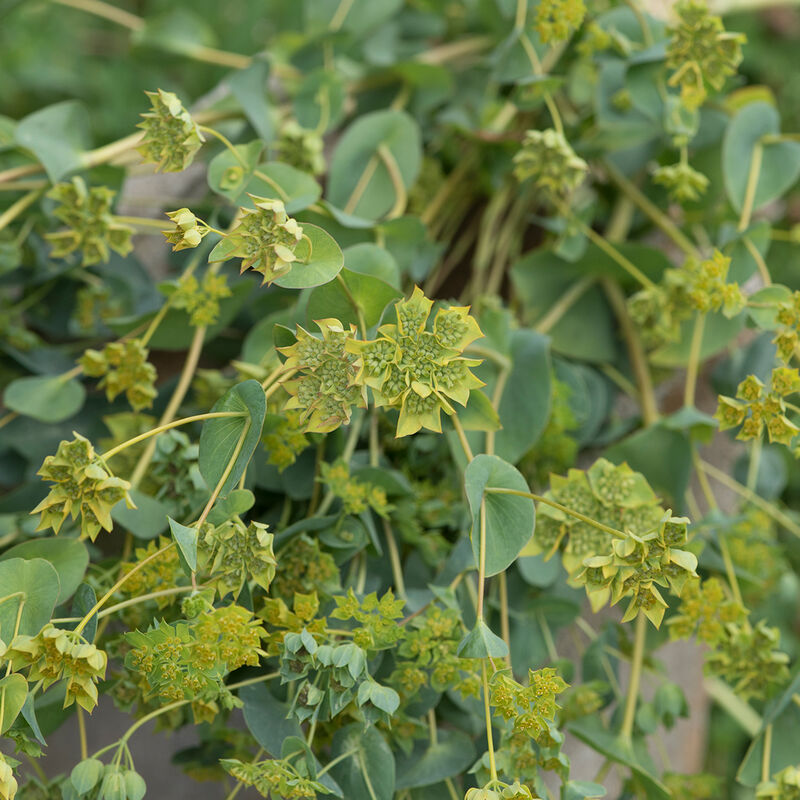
[(384, 385)]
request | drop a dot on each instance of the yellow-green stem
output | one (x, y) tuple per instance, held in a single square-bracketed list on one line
[(637, 660), (693, 367)]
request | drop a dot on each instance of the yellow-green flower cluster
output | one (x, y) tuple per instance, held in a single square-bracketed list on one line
[(199, 299), (301, 148), (326, 389), (699, 286), (754, 407), (377, 617), (785, 785), (557, 19), (163, 571), (82, 485), (91, 227), (427, 656), (356, 496), (302, 617), (123, 367), (189, 659), (265, 238), (637, 565), (94, 304), (305, 568), (8, 783), (683, 182), (787, 337), (744, 656), (416, 370), (171, 137), (547, 159), (514, 791), (235, 552), (701, 53), (284, 438), (614, 496), (532, 708), (53, 655), (188, 231), (275, 778)]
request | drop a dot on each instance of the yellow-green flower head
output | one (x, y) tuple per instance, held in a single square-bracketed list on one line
[(550, 162), (557, 19), (785, 785), (701, 53), (124, 368), (55, 654), (417, 370), (82, 485), (171, 136), (201, 300), (188, 231), (92, 228), (301, 148), (683, 183), (265, 239), (325, 390), (8, 783), (235, 552)]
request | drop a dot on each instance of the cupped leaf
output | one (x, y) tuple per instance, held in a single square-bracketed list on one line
[(780, 161), (69, 558), (13, 692), (220, 437), (481, 642), (375, 152), (509, 518), (34, 580), (320, 260), (47, 398), (186, 539)]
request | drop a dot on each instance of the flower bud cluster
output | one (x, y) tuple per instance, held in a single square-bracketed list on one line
[(684, 183), (275, 778), (123, 367), (547, 159), (199, 299), (53, 655), (82, 485), (234, 553), (754, 407), (356, 496), (557, 19), (91, 227), (171, 137), (301, 148), (701, 53), (188, 232)]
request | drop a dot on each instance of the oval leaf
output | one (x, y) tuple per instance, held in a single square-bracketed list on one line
[(48, 398), (509, 518), (319, 262), (37, 581), (13, 692), (220, 437)]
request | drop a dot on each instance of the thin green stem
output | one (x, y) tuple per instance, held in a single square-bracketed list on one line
[(17, 208), (693, 366), (462, 437), (750, 188), (553, 504), (640, 635), (174, 424)]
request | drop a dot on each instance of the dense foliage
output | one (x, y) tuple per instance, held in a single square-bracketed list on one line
[(393, 422)]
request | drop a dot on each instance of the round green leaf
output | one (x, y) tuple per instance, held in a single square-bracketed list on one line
[(48, 398), (525, 402), (13, 692), (69, 558), (452, 754), (509, 518), (219, 437), (86, 774), (360, 181), (368, 774), (780, 161), (324, 260), (35, 581)]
